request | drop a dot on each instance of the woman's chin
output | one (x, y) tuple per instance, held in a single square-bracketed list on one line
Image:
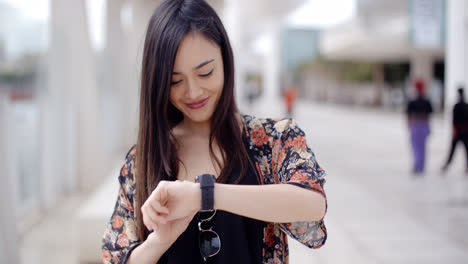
[(199, 117)]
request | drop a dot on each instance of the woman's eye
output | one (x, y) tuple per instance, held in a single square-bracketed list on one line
[(175, 82), (206, 74)]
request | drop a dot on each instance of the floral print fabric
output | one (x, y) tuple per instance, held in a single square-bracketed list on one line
[(278, 148)]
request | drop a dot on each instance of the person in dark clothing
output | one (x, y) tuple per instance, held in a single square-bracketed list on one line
[(418, 112), (460, 127)]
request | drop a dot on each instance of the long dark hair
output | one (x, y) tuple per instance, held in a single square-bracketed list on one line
[(157, 157)]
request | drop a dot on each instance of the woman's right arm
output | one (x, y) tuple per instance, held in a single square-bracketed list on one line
[(149, 251), (121, 243), (120, 237)]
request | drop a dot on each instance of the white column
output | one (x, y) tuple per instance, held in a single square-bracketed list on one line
[(272, 67), (421, 66), (112, 91), (118, 89), (8, 228), (140, 14), (232, 22), (456, 68), (421, 69), (72, 132), (57, 146)]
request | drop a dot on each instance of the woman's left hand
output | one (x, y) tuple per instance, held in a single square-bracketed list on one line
[(181, 198)]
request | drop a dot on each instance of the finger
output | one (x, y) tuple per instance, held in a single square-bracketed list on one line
[(147, 220), (163, 217), (159, 196), (158, 199), (148, 224), (158, 207), (162, 194), (151, 217), (154, 215)]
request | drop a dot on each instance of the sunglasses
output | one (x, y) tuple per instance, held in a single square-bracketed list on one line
[(209, 241)]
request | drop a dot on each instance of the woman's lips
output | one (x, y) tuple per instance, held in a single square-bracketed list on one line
[(198, 104)]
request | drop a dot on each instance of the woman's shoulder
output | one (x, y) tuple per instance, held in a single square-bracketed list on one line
[(271, 126), (127, 172)]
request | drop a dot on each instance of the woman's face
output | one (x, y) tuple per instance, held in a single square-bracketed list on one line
[(197, 78)]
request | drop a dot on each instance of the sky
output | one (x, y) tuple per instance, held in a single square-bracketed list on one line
[(38, 11), (322, 13), (317, 14), (35, 9)]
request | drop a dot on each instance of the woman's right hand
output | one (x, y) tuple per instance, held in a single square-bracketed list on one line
[(159, 241), (168, 233)]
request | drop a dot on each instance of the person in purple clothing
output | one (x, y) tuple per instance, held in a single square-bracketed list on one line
[(418, 112)]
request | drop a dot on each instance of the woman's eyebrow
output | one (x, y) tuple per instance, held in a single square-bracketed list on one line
[(203, 64), (198, 66)]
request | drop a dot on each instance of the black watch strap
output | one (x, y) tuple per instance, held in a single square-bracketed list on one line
[(207, 191)]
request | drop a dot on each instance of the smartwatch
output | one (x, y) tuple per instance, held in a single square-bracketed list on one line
[(207, 191)]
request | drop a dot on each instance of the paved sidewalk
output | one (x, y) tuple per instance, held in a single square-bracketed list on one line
[(378, 212)]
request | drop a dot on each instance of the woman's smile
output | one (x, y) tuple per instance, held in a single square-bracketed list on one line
[(198, 104)]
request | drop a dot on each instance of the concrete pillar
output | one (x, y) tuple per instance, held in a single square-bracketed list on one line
[(72, 150), (456, 63), (58, 168), (140, 13), (117, 83), (421, 68), (8, 229), (272, 67), (379, 80), (233, 25)]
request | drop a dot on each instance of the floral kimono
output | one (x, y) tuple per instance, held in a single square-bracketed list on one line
[(279, 150)]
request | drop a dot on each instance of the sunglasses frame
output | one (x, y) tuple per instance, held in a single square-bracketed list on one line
[(200, 222)]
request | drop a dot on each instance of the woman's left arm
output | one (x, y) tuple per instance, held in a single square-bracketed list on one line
[(298, 201), (299, 196), (278, 203)]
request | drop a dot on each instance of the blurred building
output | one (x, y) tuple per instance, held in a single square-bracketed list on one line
[(403, 41)]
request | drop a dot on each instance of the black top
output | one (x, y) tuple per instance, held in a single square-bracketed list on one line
[(460, 117), (419, 108), (241, 237)]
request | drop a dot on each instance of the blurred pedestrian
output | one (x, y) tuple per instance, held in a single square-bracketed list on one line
[(290, 95), (418, 112), (460, 127), (252, 92)]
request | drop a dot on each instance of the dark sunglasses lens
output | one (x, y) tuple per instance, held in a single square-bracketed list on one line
[(209, 243)]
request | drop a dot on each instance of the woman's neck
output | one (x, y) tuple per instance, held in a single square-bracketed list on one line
[(201, 128), (197, 128)]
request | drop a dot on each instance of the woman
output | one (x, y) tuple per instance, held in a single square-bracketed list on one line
[(266, 181)]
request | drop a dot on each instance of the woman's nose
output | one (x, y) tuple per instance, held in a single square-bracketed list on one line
[(193, 90)]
